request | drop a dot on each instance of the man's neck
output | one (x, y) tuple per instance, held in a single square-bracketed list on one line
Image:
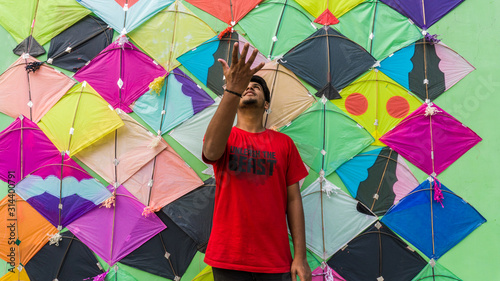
[(250, 120)]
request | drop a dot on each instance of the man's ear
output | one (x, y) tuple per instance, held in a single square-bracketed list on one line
[(266, 105)]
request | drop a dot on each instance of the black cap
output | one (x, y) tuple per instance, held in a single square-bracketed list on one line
[(262, 82)]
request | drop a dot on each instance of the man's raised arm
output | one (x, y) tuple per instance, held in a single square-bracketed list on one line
[(238, 77)]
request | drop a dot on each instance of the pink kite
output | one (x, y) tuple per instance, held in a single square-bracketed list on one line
[(326, 274), (116, 228), (23, 148), (31, 91), (121, 73), (431, 139), (164, 179)]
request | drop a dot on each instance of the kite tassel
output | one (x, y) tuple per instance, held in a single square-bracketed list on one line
[(55, 239), (328, 275), (122, 40), (157, 84), (154, 143), (33, 66), (432, 38), (100, 277), (225, 32), (328, 189), (438, 194), (110, 202), (148, 210), (430, 110)]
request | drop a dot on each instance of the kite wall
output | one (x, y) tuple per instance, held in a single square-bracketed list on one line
[(471, 30)]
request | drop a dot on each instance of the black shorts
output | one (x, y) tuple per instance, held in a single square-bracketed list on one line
[(236, 275)]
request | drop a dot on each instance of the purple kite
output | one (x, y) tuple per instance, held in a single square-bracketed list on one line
[(118, 227), (61, 191), (423, 12), (431, 139), (121, 73)]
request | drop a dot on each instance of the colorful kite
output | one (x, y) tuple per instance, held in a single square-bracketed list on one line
[(171, 33), (202, 60), (326, 137), (70, 260), (205, 275), (168, 254), (118, 228), (324, 272), (173, 101), (325, 7), (193, 213), (289, 97), (275, 26), (15, 275), (328, 61), (332, 217), (28, 231), (377, 254), (31, 92), (228, 11), (377, 103), (121, 73), (378, 178), (423, 12), (433, 218), (24, 148), (161, 181), (431, 139), (378, 28), (77, 45), (61, 191), (434, 271), (79, 119), (190, 133), (119, 155), (125, 15), (35, 22), (426, 68)]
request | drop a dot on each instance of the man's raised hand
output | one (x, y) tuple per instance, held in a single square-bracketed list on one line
[(238, 75)]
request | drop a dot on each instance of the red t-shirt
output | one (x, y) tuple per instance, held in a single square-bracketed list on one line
[(249, 231)]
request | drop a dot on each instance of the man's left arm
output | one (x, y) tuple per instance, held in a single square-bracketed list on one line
[(295, 214)]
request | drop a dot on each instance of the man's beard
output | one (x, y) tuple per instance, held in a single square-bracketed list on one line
[(250, 101)]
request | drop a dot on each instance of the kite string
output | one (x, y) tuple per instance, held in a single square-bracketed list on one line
[(381, 179), (173, 37), (423, 12), (426, 81), (74, 118), (64, 256), (165, 249), (321, 182), (273, 86), (30, 38), (277, 30), (432, 220), (373, 26), (112, 230)]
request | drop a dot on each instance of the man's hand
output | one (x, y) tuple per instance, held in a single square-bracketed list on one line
[(237, 79), (301, 268), (238, 75)]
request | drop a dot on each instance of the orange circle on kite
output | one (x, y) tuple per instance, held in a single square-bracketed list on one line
[(356, 104), (397, 107)]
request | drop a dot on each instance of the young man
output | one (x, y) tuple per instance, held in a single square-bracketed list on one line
[(257, 173)]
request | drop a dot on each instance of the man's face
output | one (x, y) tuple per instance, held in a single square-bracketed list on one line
[(253, 96)]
